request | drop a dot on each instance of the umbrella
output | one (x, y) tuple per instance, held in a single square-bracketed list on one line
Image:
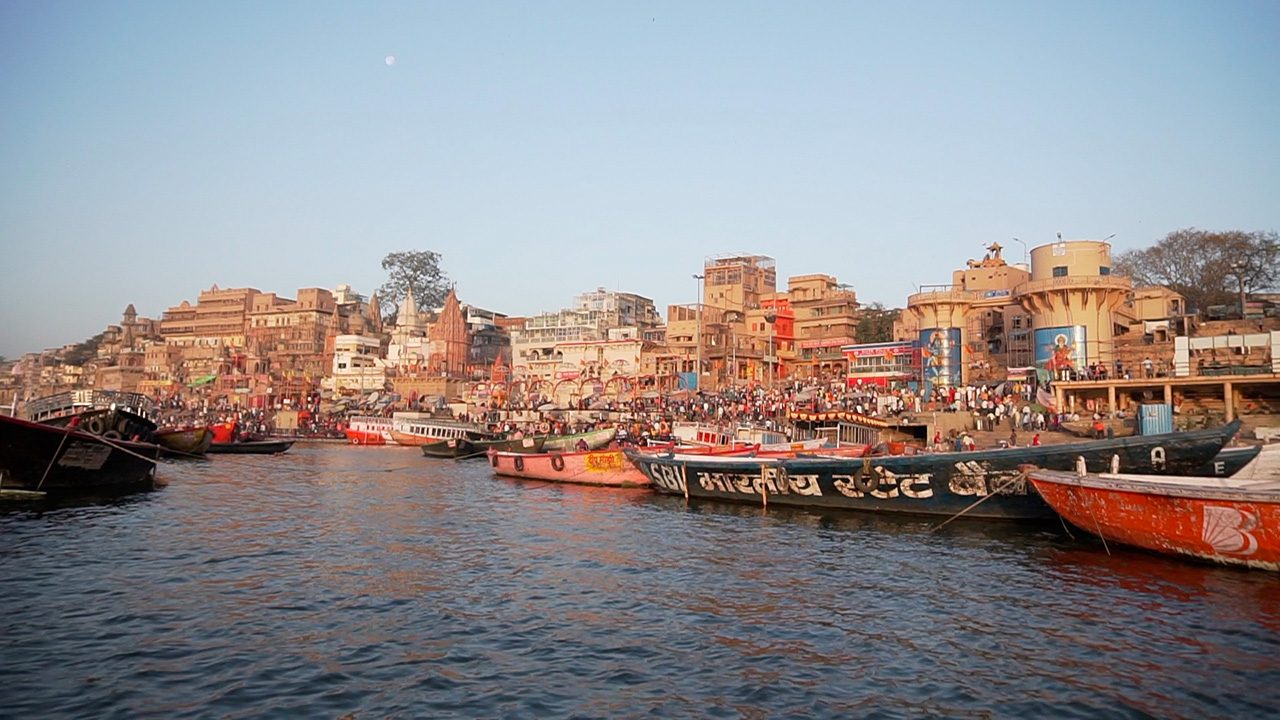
[(547, 406), (651, 395)]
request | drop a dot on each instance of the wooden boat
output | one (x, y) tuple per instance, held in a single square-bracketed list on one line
[(110, 423), (593, 467), (1235, 522), (947, 483), (595, 440), (64, 460), (415, 429), (367, 430), (1228, 462), (250, 447), (460, 448), (184, 442)]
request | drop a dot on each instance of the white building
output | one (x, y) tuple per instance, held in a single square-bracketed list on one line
[(356, 365)]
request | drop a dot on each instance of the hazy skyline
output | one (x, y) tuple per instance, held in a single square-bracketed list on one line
[(151, 150)]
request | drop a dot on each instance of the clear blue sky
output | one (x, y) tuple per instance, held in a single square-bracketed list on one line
[(151, 149)]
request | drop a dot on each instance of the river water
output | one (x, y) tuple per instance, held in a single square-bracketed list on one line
[(336, 582)]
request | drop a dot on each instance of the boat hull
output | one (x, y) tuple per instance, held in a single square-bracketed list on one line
[(1229, 461), (459, 448), (595, 440), (186, 441), (58, 460), (1230, 525), (251, 447), (598, 467), (362, 437), (987, 484)]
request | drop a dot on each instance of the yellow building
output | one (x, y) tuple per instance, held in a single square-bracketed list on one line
[(826, 319), (1062, 314)]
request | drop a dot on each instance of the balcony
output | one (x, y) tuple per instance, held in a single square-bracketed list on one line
[(946, 295), (1078, 282)]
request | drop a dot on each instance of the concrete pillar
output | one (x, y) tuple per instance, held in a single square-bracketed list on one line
[(1111, 398), (1168, 393), (1229, 400)]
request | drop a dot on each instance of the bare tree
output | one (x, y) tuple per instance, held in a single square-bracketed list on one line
[(1205, 267)]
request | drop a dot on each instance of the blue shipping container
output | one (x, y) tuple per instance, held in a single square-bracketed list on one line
[(1155, 419)]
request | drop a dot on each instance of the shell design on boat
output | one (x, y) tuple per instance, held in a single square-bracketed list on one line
[(1227, 530)]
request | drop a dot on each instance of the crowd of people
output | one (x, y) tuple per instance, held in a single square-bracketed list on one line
[(652, 416)]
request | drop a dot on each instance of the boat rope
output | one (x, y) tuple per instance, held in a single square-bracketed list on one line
[(53, 459), (1009, 481), (126, 450)]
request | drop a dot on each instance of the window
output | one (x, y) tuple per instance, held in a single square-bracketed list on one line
[(1060, 271), (1104, 270)]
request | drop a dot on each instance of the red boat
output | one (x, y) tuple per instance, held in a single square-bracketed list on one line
[(366, 430), (1226, 520)]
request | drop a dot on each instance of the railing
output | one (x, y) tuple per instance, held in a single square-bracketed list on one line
[(1072, 282), (78, 400), (938, 296), (1215, 370)]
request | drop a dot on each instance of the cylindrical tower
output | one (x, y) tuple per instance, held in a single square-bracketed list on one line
[(941, 315), (1071, 298)]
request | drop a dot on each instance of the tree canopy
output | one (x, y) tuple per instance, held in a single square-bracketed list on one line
[(875, 323), (416, 270), (1204, 266)]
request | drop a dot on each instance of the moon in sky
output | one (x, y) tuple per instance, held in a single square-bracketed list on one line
[(391, 60)]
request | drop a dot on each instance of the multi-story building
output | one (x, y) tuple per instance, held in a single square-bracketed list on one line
[(826, 319), (1062, 314), (738, 281), (609, 309), (357, 365), (490, 340), (217, 318), (535, 341)]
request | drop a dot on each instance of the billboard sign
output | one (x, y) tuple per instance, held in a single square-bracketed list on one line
[(1061, 349), (940, 358)]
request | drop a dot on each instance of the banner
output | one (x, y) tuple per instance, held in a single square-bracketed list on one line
[(940, 357), (1061, 349)]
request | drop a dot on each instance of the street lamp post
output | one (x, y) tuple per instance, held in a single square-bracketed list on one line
[(697, 339), (1026, 254)]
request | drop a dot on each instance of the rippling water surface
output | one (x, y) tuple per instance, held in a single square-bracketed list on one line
[(371, 582)]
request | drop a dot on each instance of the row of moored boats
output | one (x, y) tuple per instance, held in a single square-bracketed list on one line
[(1184, 493), (96, 440)]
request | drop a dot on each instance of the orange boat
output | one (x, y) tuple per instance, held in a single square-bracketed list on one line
[(593, 467), (1226, 520)]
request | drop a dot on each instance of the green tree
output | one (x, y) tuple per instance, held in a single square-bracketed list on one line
[(416, 270), (875, 323), (1206, 267)]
